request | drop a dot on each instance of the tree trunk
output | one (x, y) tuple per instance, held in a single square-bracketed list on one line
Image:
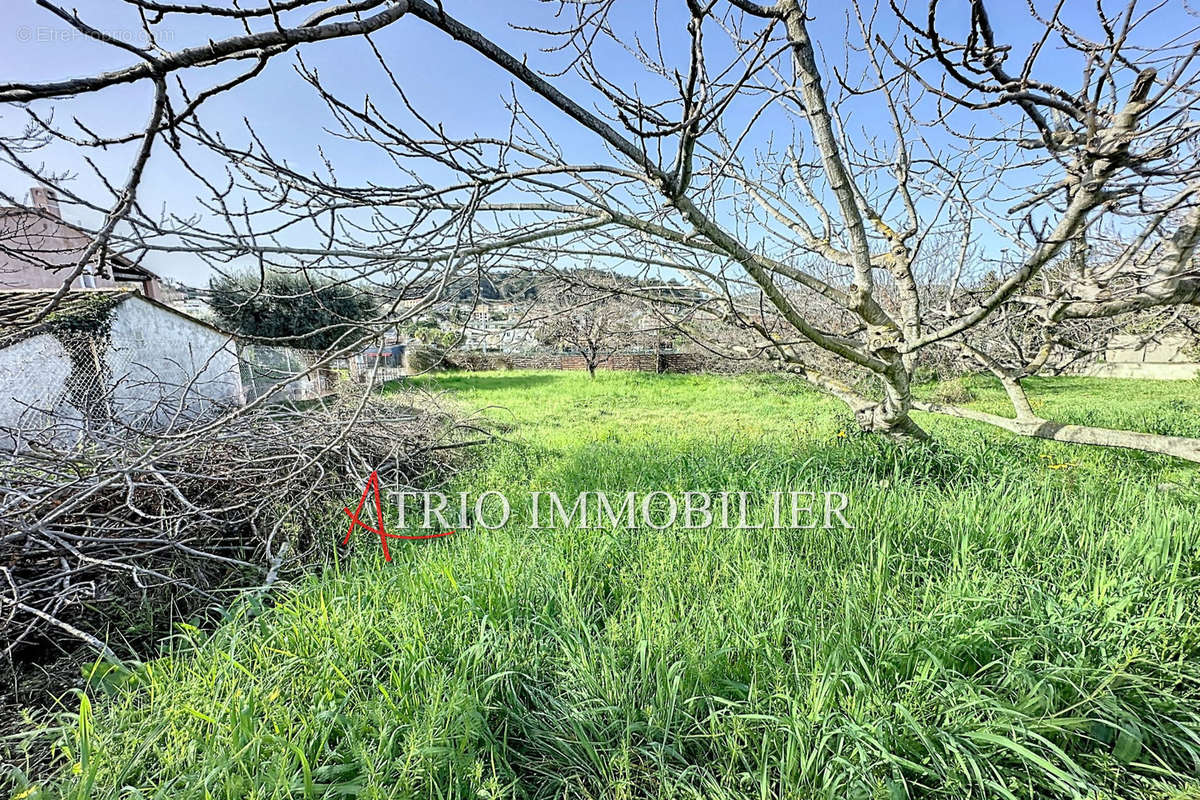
[(892, 421), (1038, 428), (890, 418), (899, 427)]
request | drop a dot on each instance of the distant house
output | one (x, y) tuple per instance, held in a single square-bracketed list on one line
[(39, 250), (387, 356), (104, 360)]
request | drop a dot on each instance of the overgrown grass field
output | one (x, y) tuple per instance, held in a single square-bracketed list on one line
[(1006, 619)]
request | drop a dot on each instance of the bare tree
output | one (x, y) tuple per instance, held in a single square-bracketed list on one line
[(728, 149), (594, 325), (977, 138)]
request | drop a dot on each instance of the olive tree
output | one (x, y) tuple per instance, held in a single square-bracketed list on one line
[(308, 311)]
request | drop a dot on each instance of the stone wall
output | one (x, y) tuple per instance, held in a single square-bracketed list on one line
[(1168, 357), (535, 361), (622, 362)]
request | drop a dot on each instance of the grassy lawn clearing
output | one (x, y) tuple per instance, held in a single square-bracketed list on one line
[(1006, 619)]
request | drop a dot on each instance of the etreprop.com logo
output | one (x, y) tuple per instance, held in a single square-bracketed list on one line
[(656, 510)]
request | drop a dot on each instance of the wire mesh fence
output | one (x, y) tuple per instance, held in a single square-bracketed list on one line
[(57, 389), (285, 373)]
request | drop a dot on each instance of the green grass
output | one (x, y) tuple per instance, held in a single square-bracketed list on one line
[(1007, 619)]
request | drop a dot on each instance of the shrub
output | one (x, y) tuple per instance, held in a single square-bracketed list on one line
[(424, 358), (924, 374), (954, 391)]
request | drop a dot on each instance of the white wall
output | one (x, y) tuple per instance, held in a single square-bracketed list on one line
[(165, 366), (33, 375), (1165, 357), (162, 370)]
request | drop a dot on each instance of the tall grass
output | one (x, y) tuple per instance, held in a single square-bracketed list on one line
[(1006, 619)]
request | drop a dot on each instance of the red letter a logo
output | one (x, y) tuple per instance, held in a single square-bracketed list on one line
[(372, 486)]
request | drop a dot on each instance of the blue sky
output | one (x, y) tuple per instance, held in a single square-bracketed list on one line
[(445, 80)]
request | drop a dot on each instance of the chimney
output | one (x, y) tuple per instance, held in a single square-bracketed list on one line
[(44, 199)]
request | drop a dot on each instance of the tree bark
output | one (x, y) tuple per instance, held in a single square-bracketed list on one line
[(891, 418), (1039, 428)]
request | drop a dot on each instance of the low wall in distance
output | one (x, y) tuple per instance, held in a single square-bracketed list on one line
[(625, 362), (1163, 357)]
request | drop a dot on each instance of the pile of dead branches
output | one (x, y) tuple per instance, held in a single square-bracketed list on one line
[(116, 523)]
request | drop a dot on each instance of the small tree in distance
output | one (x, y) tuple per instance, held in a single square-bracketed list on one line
[(289, 308), (594, 326)]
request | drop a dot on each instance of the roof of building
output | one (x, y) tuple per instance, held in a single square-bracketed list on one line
[(79, 308), (21, 310), (122, 267)]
